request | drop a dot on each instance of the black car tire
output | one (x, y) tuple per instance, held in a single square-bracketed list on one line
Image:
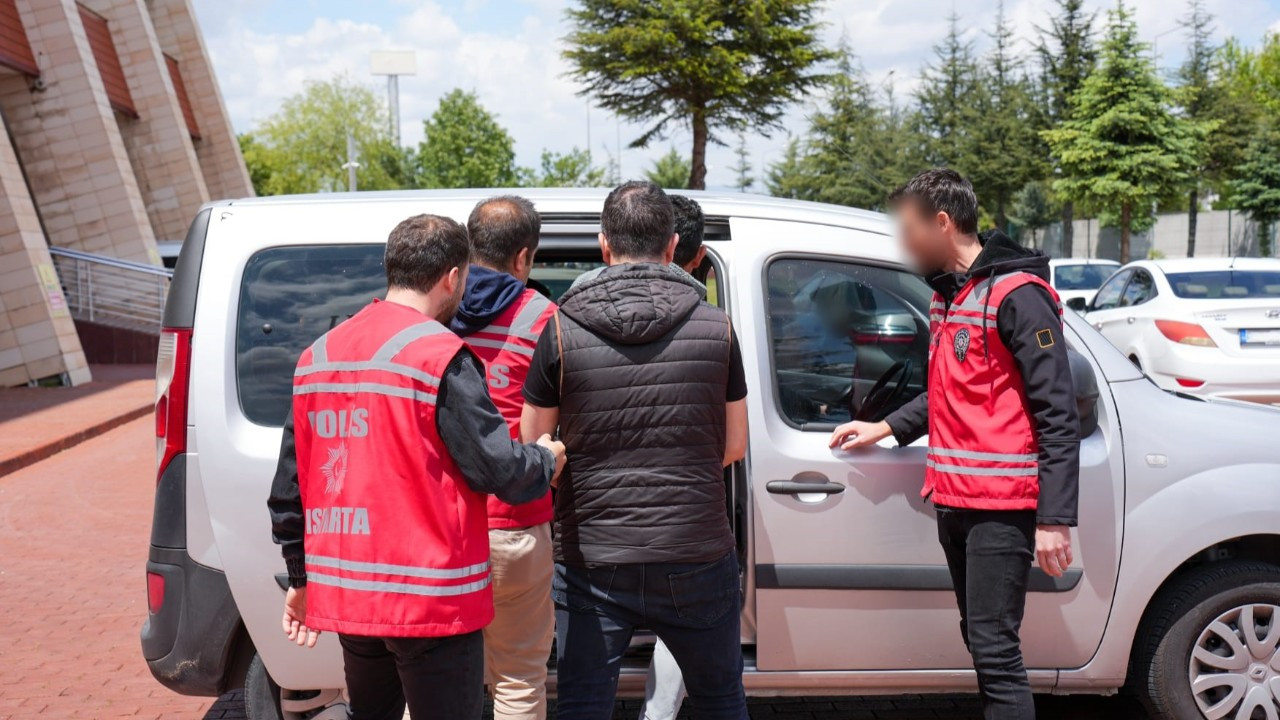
[(261, 693), (1178, 616)]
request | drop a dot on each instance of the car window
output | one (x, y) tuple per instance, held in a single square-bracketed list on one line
[(1081, 277), (289, 296), (1108, 296), (558, 275), (848, 341), (1226, 284), (1140, 289)]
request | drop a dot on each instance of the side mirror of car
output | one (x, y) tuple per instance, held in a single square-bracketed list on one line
[(1086, 388), (1078, 304)]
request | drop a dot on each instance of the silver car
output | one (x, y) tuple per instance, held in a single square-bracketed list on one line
[(1176, 587)]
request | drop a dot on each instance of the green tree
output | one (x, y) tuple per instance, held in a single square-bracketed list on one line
[(1067, 57), (1007, 151), (741, 169), (1033, 209), (465, 146), (670, 171), (945, 107), (302, 147), (1203, 99), (1256, 189), (787, 178), (571, 169), (1123, 148), (1256, 73), (709, 65)]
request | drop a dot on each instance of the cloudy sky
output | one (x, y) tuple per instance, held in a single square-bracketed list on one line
[(508, 51)]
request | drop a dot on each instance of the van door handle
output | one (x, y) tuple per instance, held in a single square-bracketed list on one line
[(791, 487)]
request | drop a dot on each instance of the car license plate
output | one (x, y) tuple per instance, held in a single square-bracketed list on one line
[(1260, 337)]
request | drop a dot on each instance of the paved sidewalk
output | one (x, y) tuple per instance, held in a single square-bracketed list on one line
[(36, 423)]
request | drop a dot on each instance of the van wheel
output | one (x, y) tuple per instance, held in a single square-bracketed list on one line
[(264, 700), (261, 693), (1211, 647)]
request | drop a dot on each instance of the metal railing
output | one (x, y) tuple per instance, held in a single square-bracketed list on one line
[(110, 291)]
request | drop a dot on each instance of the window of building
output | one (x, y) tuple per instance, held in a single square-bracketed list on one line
[(184, 100), (15, 48), (108, 61)]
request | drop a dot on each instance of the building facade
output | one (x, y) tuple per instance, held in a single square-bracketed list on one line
[(115, 134)]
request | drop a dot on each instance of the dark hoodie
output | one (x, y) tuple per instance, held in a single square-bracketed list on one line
[(487, 294), (1046, 372)]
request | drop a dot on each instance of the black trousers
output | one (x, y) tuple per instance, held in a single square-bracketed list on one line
[(989, 553), (440, 678)]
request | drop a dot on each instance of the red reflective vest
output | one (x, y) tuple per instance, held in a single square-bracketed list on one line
[(982, 445), (506, 347), (396, 542)]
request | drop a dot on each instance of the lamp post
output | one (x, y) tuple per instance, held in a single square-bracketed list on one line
[(393, 64)]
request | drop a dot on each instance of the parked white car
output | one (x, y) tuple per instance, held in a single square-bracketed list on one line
[(1078, 279), (1206, 326)]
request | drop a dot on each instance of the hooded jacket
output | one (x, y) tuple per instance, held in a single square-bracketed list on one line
[(644, 365), (487, 294), (1045, 372)]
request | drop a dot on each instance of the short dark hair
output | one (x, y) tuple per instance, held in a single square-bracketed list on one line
[(638, 220), (942, 190), (423, 249), (689, 226), (502, 226)]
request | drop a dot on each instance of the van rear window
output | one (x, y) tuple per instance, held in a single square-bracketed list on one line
[(289, 296)]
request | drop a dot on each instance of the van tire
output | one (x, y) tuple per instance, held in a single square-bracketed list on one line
[(1175, 621), (261, 693)]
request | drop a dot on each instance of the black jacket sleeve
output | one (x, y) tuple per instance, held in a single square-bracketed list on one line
[(479, 440), (911, 421), (285, 506), (1031, 327)]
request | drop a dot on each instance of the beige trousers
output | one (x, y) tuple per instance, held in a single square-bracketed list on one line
[(517, 643)]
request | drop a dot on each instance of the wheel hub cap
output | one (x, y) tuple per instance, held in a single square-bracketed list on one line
[(1235, 665)]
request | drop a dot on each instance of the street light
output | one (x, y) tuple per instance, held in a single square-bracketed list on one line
[(393, 64)]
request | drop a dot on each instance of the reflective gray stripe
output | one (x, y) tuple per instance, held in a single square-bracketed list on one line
[(976, 455), (366, 388), (395, 587), (528, 316), (320, 350), (995, 472), (401, 340), (966, 320), (500, 344), (391, 367), (416, 571), (988, 285)]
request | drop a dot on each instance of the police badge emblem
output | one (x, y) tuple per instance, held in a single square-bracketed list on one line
[(962, 344)]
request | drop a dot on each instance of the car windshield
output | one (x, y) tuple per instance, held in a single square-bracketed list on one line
[(1081, 277), (1228, 284)]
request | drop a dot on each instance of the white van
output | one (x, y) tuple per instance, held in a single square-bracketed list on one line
[(1176, 584)]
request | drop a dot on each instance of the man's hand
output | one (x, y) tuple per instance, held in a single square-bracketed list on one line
[(557, 448), (295, 618), (1053, 549), (858, 434)]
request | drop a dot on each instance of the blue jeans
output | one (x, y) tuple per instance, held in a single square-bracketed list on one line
[(693, 608)]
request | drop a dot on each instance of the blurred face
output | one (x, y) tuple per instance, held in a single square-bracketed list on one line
[(452, 287), (924, 236)]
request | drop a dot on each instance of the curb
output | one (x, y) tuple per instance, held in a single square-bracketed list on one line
[(53, 447)]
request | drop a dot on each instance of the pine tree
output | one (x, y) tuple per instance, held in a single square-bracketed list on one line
[(1256, 190), (1122, 148), (742, 169), (1067, 57), (1199, 99), (670, 171), (787, 177), (945, 100)]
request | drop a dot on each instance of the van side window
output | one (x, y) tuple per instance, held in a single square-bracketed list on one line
[(289, 296), (849, 341)]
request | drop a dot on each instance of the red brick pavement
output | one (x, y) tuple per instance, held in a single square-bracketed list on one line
[(73, 544)]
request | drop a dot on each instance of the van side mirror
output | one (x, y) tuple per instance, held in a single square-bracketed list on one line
[(1086, 389), (1078, 304)]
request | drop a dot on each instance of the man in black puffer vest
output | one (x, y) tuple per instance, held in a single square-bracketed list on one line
[(645, 381)]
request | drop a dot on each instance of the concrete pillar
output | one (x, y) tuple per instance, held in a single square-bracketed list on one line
[(37, 336), (158, 141), (70, 141), (225, 174)]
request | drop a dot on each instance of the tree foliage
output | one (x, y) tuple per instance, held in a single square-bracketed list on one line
[(571, 169), (1256, 189), (742, 167), (1122, 148), (670, 171), (465, 146), (1034, 209), (302, 147), (708, 65), (945, 112)]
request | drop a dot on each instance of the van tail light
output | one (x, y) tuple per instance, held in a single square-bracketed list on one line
[(1185, 333), (173, 378), (155, 592)]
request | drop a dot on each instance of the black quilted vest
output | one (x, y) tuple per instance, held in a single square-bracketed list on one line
[(642, 414)]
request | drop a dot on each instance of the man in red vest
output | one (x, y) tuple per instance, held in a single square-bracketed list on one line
[(378, 501), (1004, 449), (500, 319)]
